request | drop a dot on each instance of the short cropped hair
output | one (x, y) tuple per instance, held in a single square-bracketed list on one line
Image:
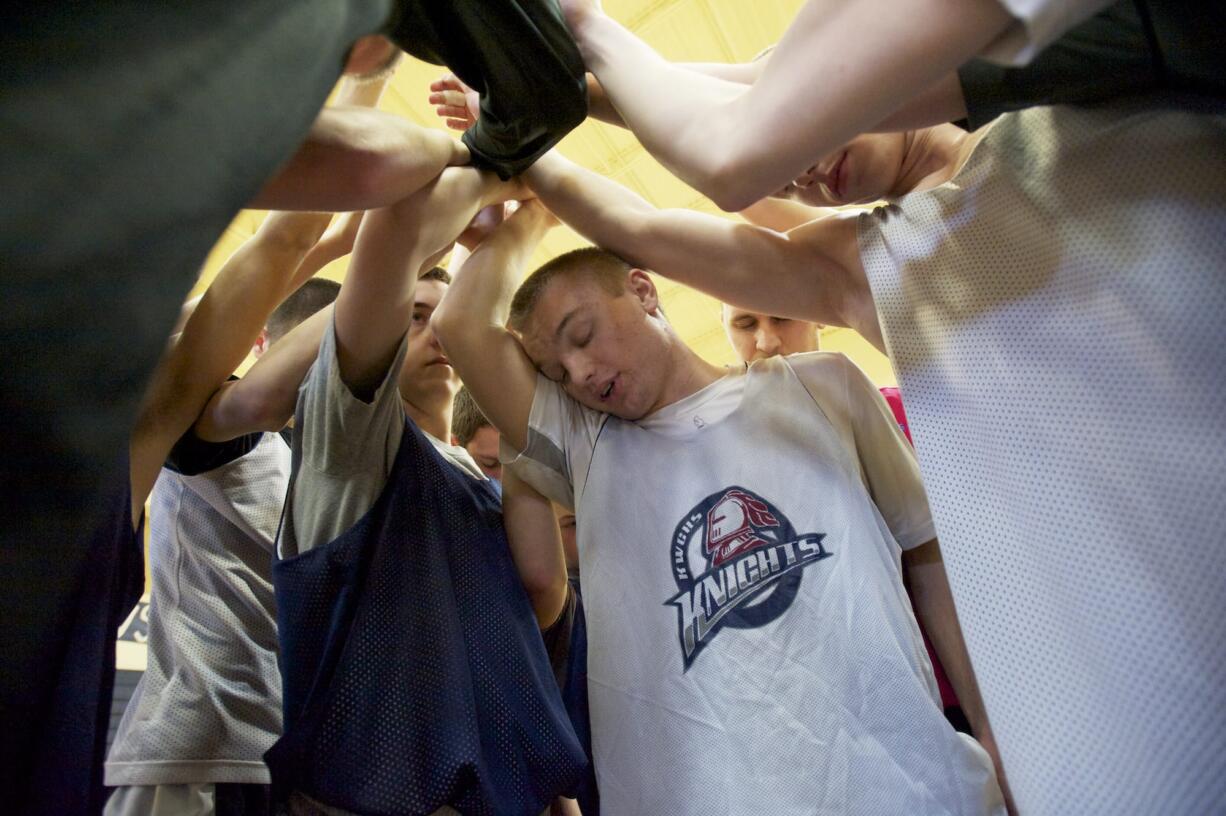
[(466, 417), (436, 274), (312, 296), (608, 270)]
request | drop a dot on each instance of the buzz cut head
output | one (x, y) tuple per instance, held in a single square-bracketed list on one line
[(607, 270)]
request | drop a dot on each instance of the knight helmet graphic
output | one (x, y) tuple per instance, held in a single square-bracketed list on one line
[(733, 524)]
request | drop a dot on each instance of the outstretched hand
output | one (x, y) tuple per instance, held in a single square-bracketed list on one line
[(456, 103)]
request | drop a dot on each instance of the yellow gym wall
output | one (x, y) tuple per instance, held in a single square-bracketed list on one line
[(681, 30)]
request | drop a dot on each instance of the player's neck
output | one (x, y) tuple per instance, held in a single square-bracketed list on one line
[(933, 156), (432, 415), (688, 375)]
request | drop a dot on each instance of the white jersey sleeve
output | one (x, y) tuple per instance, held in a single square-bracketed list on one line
[(561, 437), (864, 420), (1037, 24)]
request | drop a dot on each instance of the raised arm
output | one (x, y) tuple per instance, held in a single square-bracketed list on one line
[(471, 323), (264, 400), (459, 105), (375, 305), (356, 159), (840, 70), (812, 273), (337, 242), (933, 602), (216, 338), (782, 215), (536, 546)]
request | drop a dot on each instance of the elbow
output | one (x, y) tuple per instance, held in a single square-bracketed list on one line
[(539, 584), (724, 157), (730, 182), (269, 419), (446, 324), (372, 180), (242, 412), (732, 186), (738, 160), (546, 593)]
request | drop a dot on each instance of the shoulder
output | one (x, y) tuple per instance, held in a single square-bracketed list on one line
[(818, 364), (829, 234), (831, 378)]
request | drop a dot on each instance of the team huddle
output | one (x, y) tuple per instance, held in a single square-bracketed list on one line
[(474, 537)]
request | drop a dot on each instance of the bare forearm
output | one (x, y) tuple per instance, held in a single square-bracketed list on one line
[(375, 307), (491, 273), (598, 104), (596, 207), (265, 399), (600, 107), (728, 142), (536, 546), (942, 102), (217, 337), (934, 606), (337, 242), (358, 159), (631, 73), (782, 215), (470, 323), (360, 91), (748, 266)]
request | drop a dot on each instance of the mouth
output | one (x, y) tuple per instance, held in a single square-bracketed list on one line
[(440, 360), (605, 393)]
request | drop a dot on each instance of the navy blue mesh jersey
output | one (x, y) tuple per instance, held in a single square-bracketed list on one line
[(56, 744), (574, 696), (414, 672)]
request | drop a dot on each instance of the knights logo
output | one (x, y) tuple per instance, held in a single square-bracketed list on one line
[(737, 562)]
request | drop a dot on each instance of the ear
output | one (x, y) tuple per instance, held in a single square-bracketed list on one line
[(455, 441), (644, 288), (261, 344)]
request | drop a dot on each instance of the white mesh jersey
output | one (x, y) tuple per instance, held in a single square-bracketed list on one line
[(209, 703), (1056, 316), (752, 649)]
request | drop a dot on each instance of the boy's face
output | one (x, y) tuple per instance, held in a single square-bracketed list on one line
[(483, 448), (426, 375), (864, 170), (757, 336), (607, 352)]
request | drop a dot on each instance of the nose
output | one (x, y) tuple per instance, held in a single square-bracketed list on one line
[(579, 370)]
